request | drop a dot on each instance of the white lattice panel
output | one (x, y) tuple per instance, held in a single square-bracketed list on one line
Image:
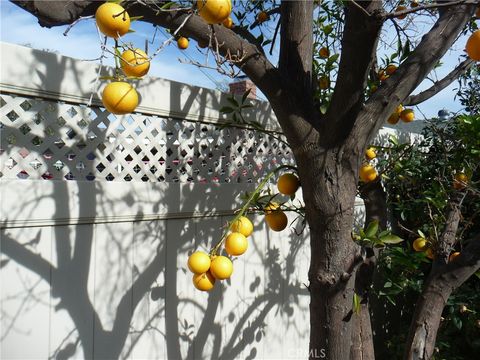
[(43, 139)]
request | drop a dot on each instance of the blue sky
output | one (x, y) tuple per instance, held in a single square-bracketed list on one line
[(19, 27)]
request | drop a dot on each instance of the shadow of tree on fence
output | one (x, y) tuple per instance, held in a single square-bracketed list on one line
[(124, 283)]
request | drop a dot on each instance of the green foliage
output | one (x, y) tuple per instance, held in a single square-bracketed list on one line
[(419, 181)]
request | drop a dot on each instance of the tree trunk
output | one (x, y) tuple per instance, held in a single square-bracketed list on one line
[(331, 185)]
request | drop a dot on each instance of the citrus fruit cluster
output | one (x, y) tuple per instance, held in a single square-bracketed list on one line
[(275, 217), (120, 97), (207, 268), (367, 172), (422, 244), (400, 113)]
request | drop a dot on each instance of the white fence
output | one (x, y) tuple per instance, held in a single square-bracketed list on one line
[(92, 204), (99, 211)]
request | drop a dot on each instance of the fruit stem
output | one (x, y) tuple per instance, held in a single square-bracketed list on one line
[(247, 204)]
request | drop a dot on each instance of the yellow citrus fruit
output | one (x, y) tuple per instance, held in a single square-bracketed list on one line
[(271, 207), (275, 219), (204, 281), (199, 262), (382, 75), (236, 244), (473, 46), (370, 153), (228, 23), (324, 53), (135, 63), (221, 267), (460, 181), (323, 82), (288, 184), (120, 98), (390, 69), (243, 226), (407, 115), (262, 17), (393, 118), (367, 173), (182, 43), (112, 20), (214, 11), (430, 254), (420, 244), (453, 256), (401, 8)]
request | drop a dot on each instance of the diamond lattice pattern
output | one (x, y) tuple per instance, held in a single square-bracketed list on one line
[(42, 139)]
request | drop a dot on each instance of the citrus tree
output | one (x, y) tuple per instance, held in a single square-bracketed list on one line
[(331, 91)]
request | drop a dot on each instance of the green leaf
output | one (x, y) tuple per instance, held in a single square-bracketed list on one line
[(391, 239), (168, 5), (372, 229), (245, 95), (421, 234), (233, 101), (457, 322), (107, 78), (356, 303), (226, 110)]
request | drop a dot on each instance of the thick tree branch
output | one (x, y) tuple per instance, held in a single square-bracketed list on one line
[(435, 5), (410, 74), (20, 254), (375, 200), (439, 85), (436, 291), (353, 70), (448, 236)]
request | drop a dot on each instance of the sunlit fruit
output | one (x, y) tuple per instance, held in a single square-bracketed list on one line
[(382, 75), (460, 181), (236, 244), (271, 207), (288, 184), (221, 267), (370, 153), (420, 244), (473, 46), (414, 3), (214, 11), (367, 173), (407, 115), (135, 63), (393, 118), (112, 20), (463, 309), (276, 220), (243, 225), (199, 262), (323, 82), (228, 22), (182, 43), (262, 17), (120, 98), (430, 254), (390, 69), (204, 281), (401, 8), (453, 256), (324, 53)]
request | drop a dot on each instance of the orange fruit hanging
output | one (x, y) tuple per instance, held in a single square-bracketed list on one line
[(112, 20)]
